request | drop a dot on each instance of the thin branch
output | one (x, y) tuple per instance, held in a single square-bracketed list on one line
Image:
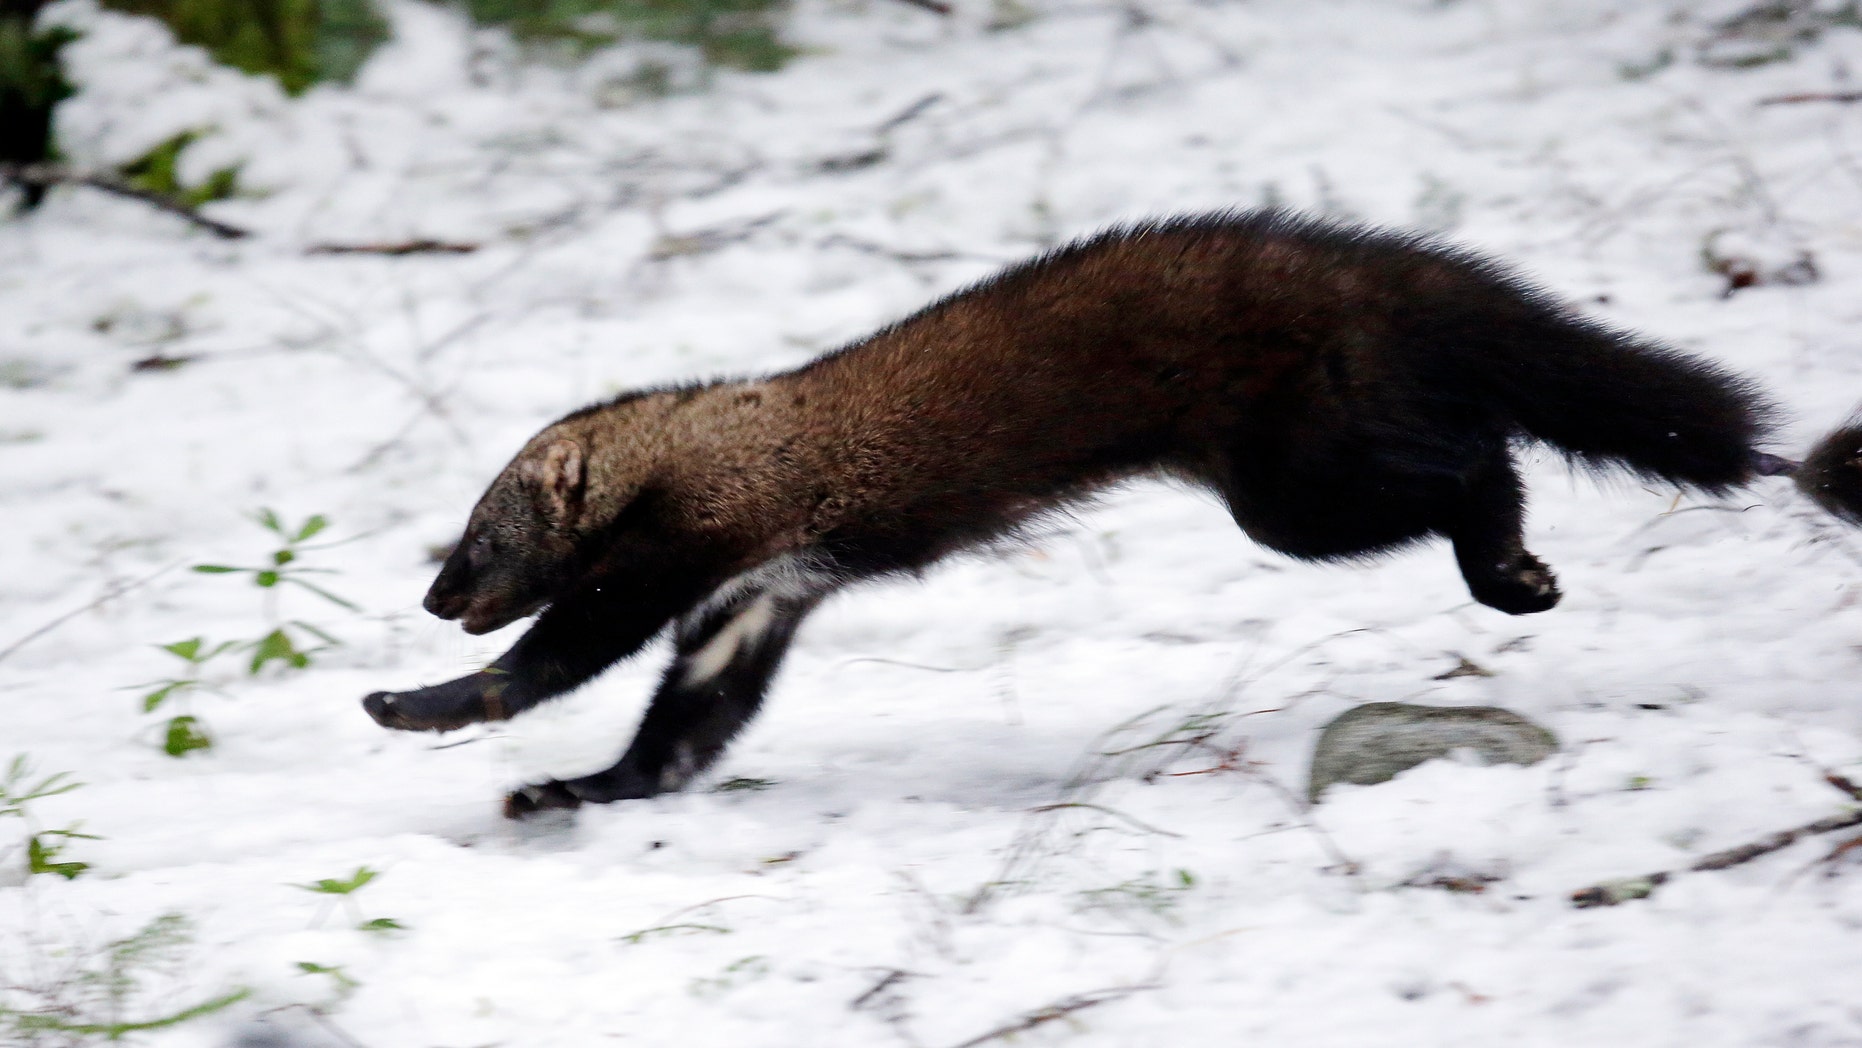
[(937, 7), (1844, 783), (1610, 893), (44, 175), (909, 113), (1058, 1010), (1812, 96), (109, 595), (1103, 810), (395, 248)]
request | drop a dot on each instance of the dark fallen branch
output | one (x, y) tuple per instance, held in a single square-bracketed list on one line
[(1844, 784), (1610, 893), (1058, 1010), (46, 175), (1812, 96), (396, 248)]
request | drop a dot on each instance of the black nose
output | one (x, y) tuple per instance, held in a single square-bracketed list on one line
[(443, 604)]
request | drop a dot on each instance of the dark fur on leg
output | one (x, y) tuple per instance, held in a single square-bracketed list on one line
[(570, 643), (726, 659)]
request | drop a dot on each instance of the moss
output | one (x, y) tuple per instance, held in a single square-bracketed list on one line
[(735, 34), (155, 171), (297, 42)]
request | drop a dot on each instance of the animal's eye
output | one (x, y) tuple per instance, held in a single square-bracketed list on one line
[(479, 551)]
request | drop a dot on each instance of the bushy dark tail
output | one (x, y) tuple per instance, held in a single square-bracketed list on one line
[(1832, 474), (1611, 400)]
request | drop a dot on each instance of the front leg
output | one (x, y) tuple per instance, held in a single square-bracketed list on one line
[(572, 641), (726, 655)]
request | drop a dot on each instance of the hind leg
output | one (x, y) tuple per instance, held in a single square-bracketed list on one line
[(1487, 529)]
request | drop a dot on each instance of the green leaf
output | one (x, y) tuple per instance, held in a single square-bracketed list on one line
[(158, 696), (283, 557), (325, 594), (277, 646), (184, 737), (382, 924), (216, 569), (343, 979), (317, 633), (266, 578), (187, 649), (269, 521), (315, 524), (334, 886), (40, 856)]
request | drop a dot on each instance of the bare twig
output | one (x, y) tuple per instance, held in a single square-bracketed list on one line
[(711, 238), (909, 113), (1812, 96), (1103, 810), (55, 174), (938, 7), (1610, 893), (395, 248), (1058, 1010), (896, 254), (1844, 783), (892, 978), (108, 595)]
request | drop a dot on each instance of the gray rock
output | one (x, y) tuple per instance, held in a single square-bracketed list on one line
[(1376, 741)]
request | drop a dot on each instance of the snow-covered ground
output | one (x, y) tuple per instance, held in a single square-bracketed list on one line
[(944, 822)]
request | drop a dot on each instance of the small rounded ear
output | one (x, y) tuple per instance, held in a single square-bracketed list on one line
[(555, 474)]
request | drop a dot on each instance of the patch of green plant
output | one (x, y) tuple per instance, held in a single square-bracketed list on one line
[(349, 885), (183, 733), (110, 994), (344, 887), (156, 172), (43, 846), (735, 34), (291, 642), (342, 980), (296, 42)]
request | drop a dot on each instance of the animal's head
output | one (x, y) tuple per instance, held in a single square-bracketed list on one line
[(520, 549)]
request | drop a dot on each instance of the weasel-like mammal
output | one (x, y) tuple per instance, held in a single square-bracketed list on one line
[(1345, 391)]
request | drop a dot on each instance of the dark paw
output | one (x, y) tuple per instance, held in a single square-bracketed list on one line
[(424, 710), (621, 783), (544, 796), (1521, 587)]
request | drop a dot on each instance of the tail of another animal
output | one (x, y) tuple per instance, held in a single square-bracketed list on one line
[(1832, 474)]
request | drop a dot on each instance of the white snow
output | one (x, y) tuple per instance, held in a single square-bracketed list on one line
[(1700, 671)]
